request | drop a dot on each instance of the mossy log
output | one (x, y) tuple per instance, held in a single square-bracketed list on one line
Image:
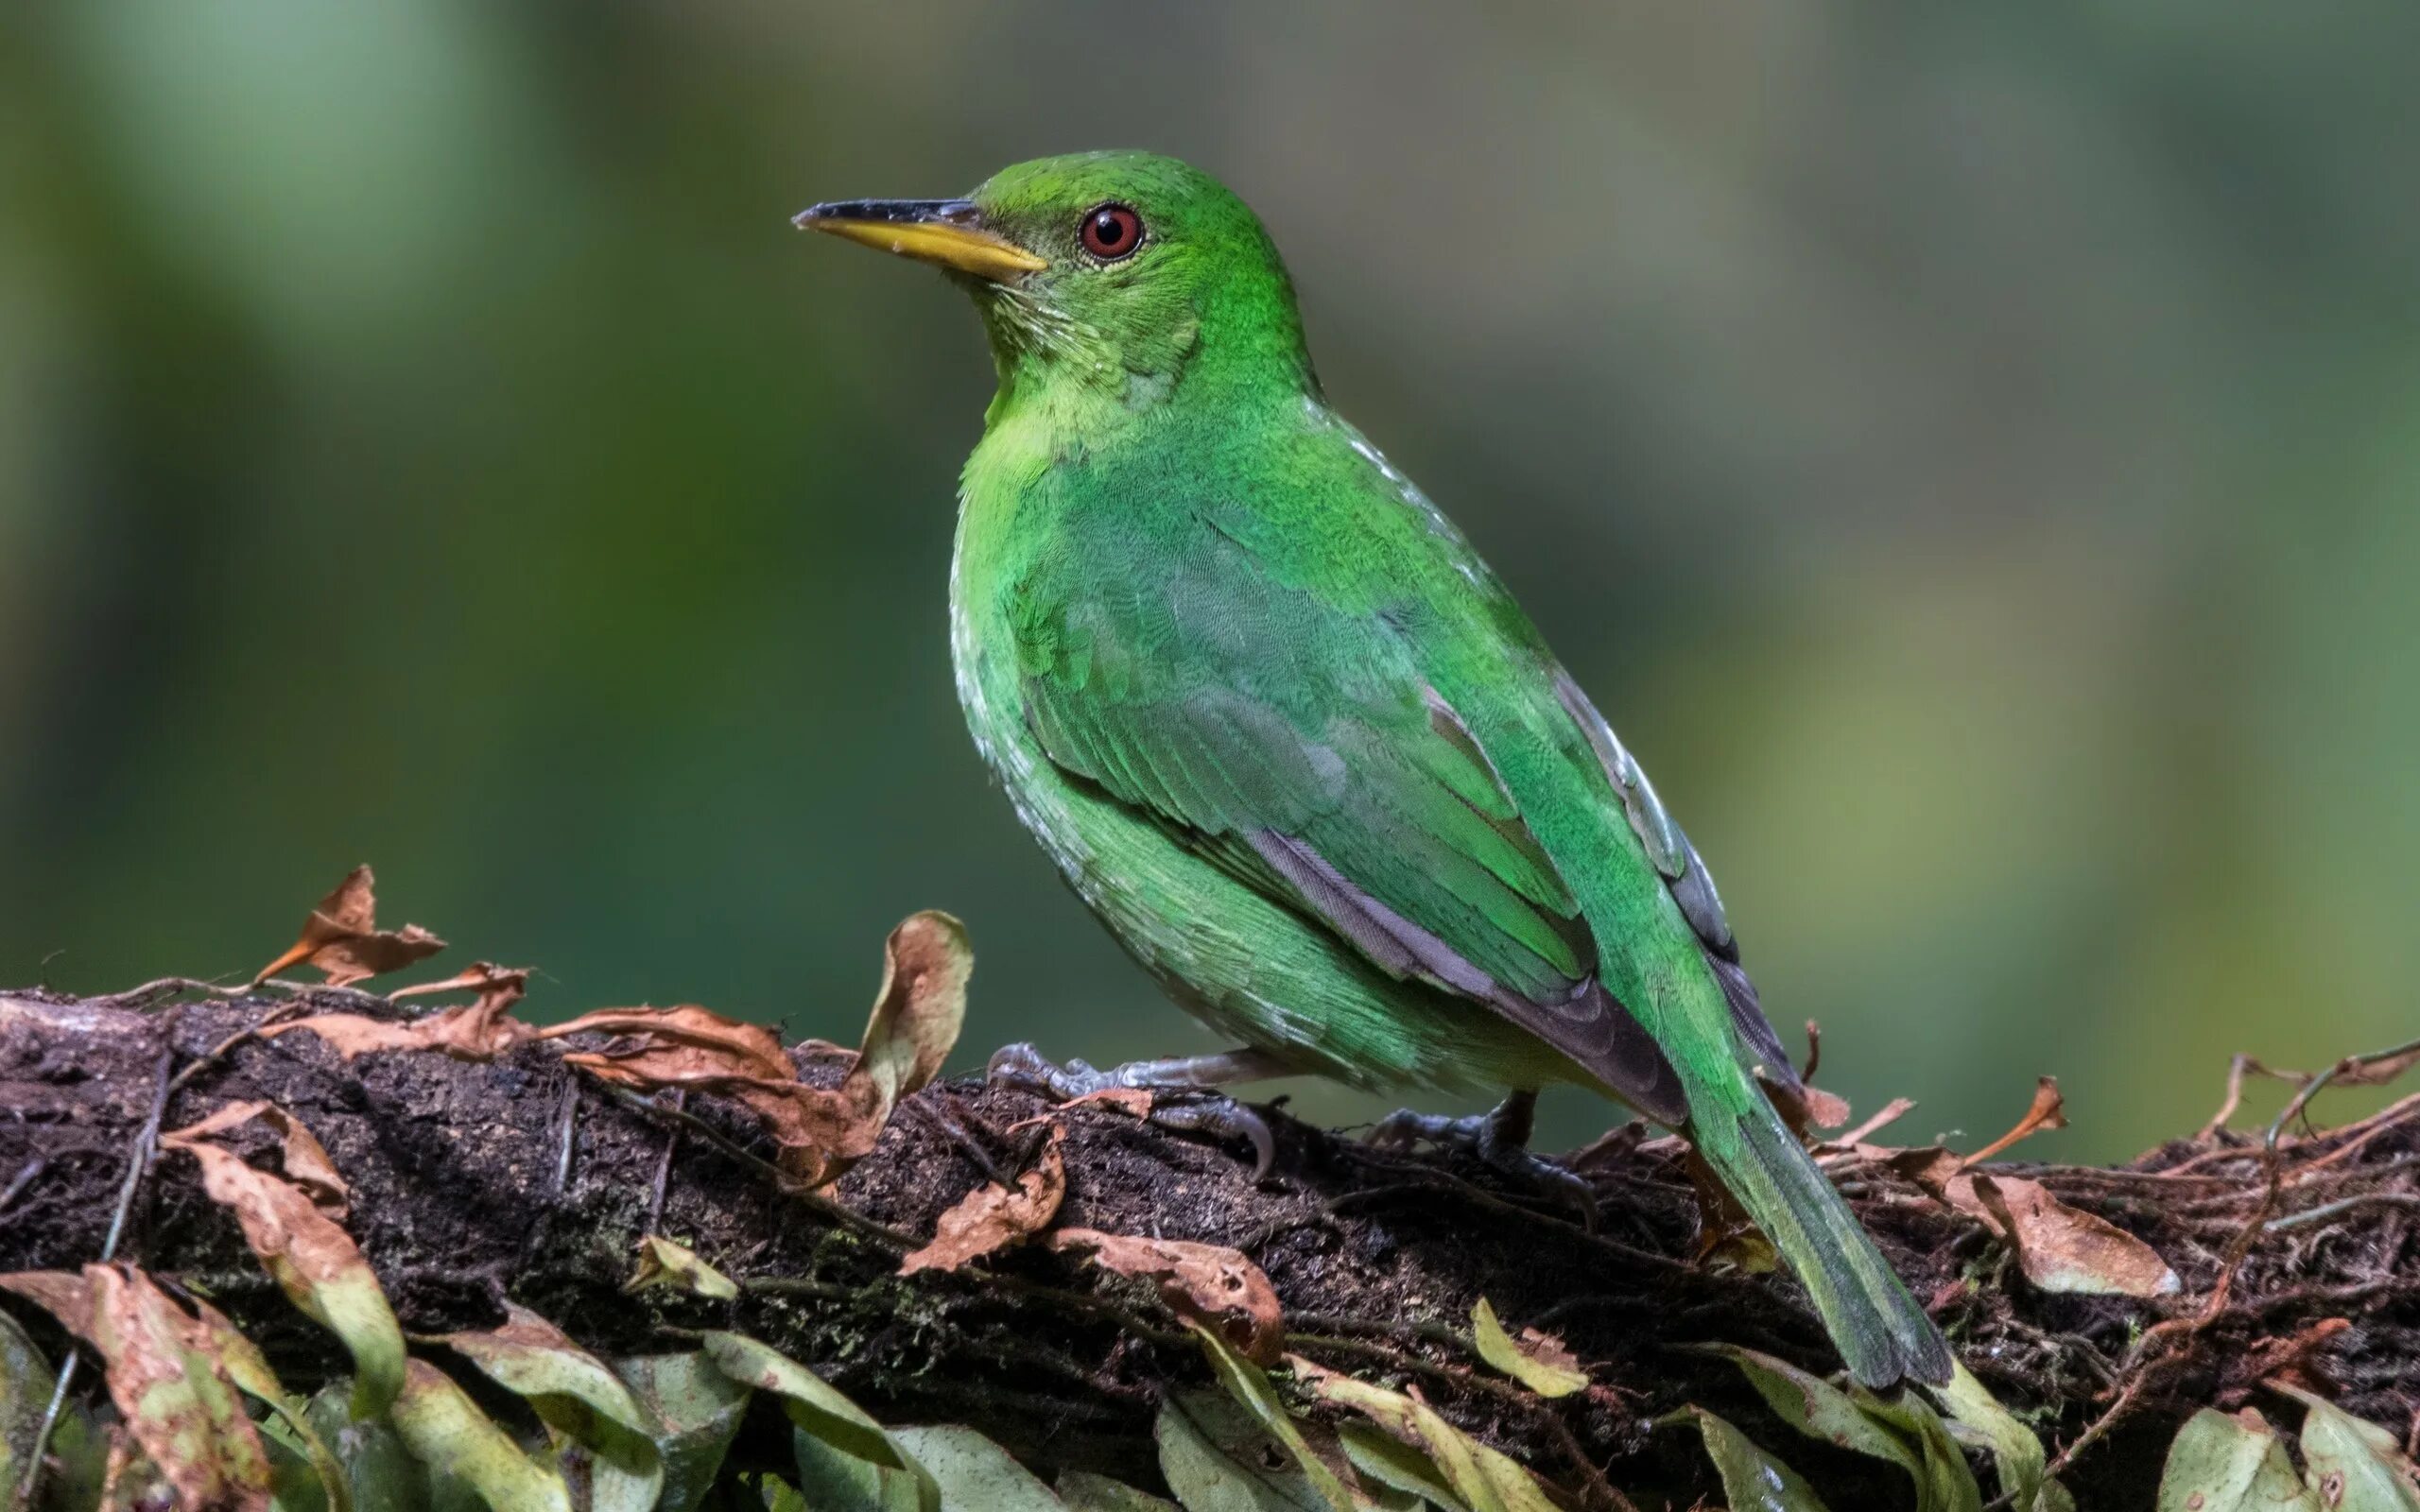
[(521, 1178)]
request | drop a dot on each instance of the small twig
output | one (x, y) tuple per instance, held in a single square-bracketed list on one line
[(845, 1216), (2093, 1432), (211, 1056), (930, 1107), (2329, 1210), (166, 987), (2234, 1099), (138, 1162), (146, 1144), (26, 1176), (1428, 1180), (570, 1118), (679, 1103)]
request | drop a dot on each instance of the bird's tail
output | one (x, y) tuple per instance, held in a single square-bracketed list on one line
[(1880, 1332)]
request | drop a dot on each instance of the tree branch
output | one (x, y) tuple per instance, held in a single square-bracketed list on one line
[(460, 1198)]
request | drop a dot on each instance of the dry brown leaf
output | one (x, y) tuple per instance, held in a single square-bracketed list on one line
[(483, 978), (163, 1373), (2049, 1110), (993, 1217), (821, 1131), (479, 1030), (723, 1046), (915, 1023), (1858, 1138), (307, 1164), (312, 1259), (342, 938), (1217, 1285), (1825, 1109), (2062, 1248)]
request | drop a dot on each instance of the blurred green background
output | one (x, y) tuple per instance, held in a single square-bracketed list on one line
[(1972, 454)]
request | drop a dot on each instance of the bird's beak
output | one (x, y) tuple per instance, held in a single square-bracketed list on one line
[(949, 233)]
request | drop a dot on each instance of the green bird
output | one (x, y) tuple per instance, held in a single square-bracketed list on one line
[(1296, 745)]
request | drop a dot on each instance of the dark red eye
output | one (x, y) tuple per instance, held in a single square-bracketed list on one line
[(1111, 232)]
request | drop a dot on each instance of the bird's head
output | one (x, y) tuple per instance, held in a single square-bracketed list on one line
[(1121, 274)]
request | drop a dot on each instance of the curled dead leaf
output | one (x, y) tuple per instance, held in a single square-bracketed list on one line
[(313, 1260), (821, 1131), (2058, 1247), (673, 1046), (342, 938), (664, 1262), (2062, 1248), (479, 1030), (915, 1023), (165, 1377), (2049, 1110), (993, 1217), (1217, 1285), (307, 1164)]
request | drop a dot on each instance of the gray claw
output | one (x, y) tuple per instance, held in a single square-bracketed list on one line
[(1221, 1116), (1191, 1109), (1500, 1140)]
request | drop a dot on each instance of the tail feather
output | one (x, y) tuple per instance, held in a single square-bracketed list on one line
[(1880, 1332)]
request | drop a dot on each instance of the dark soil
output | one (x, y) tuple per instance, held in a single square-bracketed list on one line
[(472, 1183)]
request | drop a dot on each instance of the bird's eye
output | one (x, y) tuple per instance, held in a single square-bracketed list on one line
[(1111, 231)]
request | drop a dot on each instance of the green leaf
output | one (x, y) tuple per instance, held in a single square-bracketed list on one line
[(314, 1263), (250, 1371), (1753, 1481), (1821, 1410), (780, 1496), (170, 1390), (1542, 1365), (813, 1404), (379, 1470), (1380, 1457), (823, 1414), (1247, 1385), (1083, 1491), (446, 1431), (2014, 1447), (26, 1385), (2354, 1465), (976, 1474), (2223, 1464), (835, 1481), (664, 1262), (598, 1424), (1484, 1479), (296, 1483), (698, 1411), (1206, 1478), (1945, 1483)]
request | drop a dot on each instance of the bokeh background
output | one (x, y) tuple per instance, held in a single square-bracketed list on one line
[(1973, 454)]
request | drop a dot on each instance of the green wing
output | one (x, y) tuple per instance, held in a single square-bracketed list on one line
[(1295, 741)]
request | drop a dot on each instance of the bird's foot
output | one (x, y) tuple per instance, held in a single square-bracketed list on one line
[(1184, 1095), (1500, 1139)]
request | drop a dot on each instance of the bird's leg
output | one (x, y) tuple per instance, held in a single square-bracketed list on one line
[(1186, 1090), (1500, 1138)]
